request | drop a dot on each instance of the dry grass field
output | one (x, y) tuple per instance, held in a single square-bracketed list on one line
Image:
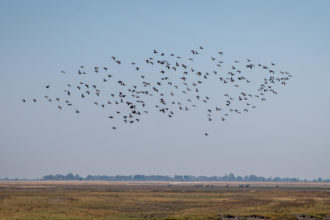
[(162, 200)]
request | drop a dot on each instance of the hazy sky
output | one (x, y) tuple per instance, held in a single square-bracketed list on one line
[(286, 136)]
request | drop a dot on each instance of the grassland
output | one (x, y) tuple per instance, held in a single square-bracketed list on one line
[(162, 200)]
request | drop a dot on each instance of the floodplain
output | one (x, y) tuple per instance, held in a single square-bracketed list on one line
[(102, 200)]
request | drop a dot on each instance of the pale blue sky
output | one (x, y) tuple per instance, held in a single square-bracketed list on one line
[(289, 135)]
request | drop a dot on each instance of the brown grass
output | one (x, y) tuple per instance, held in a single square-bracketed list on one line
[(157, 200)]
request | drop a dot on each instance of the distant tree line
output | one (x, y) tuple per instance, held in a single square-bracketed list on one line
[(182, 178)]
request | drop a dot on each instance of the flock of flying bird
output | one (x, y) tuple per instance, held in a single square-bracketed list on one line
[(174, 85)]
